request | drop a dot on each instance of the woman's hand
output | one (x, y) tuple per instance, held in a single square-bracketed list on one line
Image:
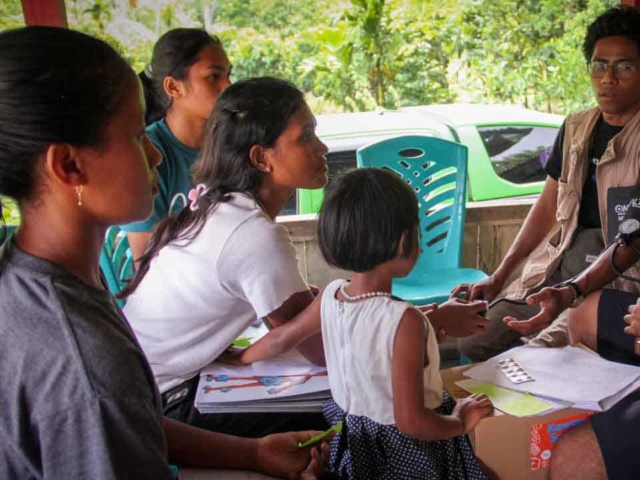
[(280, 456), (459, 318), (486, 289), (553, 301), (319, 462), (232, 356)]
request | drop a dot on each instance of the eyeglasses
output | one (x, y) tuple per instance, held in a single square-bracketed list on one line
[(623, 70)]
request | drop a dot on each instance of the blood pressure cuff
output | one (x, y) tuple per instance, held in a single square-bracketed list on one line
[(623, 203)]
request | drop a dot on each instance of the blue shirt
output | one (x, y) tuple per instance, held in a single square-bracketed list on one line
[(174, 176)]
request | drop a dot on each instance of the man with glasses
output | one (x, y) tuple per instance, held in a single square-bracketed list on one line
[(594, 163), (592, 185)]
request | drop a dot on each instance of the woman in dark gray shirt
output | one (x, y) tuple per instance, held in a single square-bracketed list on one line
[(78, 399)]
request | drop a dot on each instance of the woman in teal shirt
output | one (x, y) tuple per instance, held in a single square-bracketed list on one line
[(188, 71)]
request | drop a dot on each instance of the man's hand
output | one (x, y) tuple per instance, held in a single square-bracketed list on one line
[(553, 301), (280, 456), (459, 318), (486, 289)]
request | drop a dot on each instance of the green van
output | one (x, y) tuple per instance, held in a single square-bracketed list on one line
[(508, 145)]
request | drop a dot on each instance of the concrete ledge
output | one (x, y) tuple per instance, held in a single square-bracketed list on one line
[(490, 229)]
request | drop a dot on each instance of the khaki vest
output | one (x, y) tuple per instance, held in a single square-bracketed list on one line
[(618, 167)]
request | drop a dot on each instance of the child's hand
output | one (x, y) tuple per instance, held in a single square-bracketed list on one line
[(472, 409)]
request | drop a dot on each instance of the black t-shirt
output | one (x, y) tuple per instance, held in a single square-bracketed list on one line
[(589, 216)]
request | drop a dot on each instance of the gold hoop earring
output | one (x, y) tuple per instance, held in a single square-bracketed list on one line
[(79, 193)]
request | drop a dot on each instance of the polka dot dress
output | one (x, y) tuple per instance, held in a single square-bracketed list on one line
[(368, 450)]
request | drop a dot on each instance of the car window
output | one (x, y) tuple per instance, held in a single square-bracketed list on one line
[(291, 207), (519, 153)]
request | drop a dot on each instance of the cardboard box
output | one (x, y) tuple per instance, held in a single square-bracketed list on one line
[(515, 448)]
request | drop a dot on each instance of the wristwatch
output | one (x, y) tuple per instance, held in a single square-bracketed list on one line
[(629, 229), (578, 297)]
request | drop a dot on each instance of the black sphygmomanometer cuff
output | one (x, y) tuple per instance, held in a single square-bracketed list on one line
[(623, 203)]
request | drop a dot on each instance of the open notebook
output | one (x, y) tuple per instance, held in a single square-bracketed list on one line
[(288, 383)]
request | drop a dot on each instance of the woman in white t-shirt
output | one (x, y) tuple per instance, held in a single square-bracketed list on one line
[(221, 263)]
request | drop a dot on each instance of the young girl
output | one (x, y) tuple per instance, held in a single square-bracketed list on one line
[(78, 397), (188, 71), (213, 269), (382, 353)]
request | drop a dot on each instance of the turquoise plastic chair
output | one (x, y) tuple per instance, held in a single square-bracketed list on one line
[(116, 261), (437, 171), (9, 230)]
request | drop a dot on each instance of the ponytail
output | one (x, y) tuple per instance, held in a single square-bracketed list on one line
[(173, 55)]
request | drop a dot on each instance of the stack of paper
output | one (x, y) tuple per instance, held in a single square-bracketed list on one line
[(568, 374), (288, 383)]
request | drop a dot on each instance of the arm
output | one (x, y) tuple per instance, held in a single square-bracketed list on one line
[(458, 317), (539, 222), (556, 300), (288, 334), (412, 418), (191, 446), (259, 265), (276, 455)]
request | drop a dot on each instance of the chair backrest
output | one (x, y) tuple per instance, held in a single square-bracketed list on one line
[(436, 169), (116, 260)]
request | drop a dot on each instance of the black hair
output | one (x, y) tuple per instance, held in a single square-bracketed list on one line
[(173, 55), (363, 217), (49, 96), (250, 112), (620, 21)]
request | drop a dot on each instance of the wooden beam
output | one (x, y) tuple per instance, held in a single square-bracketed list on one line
[(633, 3), (45, 12)]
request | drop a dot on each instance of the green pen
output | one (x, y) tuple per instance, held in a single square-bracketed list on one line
[(337, 428)]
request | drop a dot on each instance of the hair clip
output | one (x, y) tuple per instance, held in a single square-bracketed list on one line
[(195, 194)]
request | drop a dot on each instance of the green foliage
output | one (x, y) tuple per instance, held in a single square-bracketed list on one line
[(367, 54), (10, 14), (528, 52)]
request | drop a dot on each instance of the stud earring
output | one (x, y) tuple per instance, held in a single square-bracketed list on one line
[(79, 192)]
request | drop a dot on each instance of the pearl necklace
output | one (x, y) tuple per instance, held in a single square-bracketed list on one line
[(362, 296)]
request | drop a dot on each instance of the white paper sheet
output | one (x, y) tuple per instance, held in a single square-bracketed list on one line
[(568, 374)]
